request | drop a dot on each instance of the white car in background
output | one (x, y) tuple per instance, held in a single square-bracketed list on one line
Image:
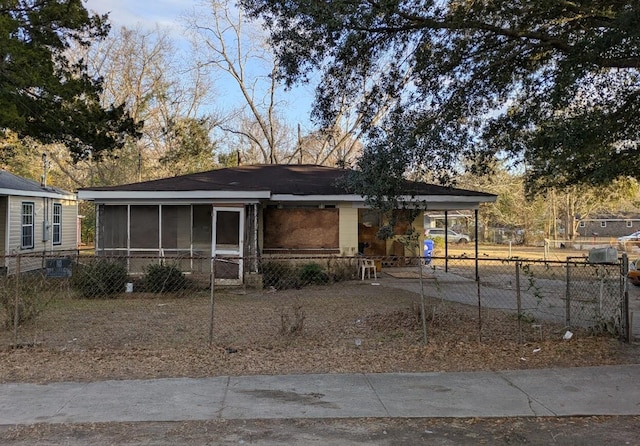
[(452, 236), (629, 240)]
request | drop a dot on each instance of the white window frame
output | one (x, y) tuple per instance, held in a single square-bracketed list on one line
[(629, 224), (56, 221), (28, 226), (603, 224), (583, 224)]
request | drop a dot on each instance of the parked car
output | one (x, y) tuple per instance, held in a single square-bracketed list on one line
[(629, 240), (634, 273), (452, 236)]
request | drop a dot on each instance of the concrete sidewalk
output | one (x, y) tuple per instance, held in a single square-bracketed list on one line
[(609, 390)]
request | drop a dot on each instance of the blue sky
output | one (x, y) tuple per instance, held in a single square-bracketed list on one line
[(168, 14), (147, 13)]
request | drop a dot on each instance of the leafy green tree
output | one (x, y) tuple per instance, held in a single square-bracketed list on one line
[(190, 146), (551, 83), (45, 93)]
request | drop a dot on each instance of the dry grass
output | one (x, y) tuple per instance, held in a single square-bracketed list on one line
[(350, 327)]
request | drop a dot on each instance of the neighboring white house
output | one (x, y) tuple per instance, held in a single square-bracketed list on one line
[(35, 220)]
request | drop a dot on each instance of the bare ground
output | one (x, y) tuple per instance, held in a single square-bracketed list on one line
[(351, 327)]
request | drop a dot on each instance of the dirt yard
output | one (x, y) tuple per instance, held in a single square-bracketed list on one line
[(350, 327)]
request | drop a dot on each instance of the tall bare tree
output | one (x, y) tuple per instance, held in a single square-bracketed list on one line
[(229, 45), (142, 69)]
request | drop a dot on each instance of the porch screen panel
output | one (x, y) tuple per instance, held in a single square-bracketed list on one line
[(112, 227), (301, 228), (202, 230), (176, 227), (144, 227)]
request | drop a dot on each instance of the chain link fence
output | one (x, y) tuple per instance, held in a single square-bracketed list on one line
[(513, 298)]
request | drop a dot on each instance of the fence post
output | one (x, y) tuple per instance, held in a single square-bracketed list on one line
[(519, 301), (626, 315), (211, 299), (422, 306), (16, 311), (567, 311), (479, 311)]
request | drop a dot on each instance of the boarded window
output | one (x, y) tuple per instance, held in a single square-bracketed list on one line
[(301, 228)]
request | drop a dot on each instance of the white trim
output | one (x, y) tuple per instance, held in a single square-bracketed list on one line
[(26, 193), (171, 195)]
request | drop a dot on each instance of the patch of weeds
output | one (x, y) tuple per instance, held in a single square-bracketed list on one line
[(292, 320), (32, 298)]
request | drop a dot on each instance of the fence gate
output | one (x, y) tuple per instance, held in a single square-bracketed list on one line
[(597, 296)]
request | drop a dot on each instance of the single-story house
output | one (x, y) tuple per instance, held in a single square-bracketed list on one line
[(609, 225), (252, 211), (35, 219)]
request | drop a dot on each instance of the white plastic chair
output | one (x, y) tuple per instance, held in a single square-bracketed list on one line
[(366, 267)]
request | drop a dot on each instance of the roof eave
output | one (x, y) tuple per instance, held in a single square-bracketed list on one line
[(37, 194), (98, 195)]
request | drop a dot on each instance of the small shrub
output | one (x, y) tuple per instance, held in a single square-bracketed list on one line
[(313, 274), (100, 278), (161, 278), (278, 275)]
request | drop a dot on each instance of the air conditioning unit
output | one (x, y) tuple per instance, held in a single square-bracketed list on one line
[(603, 255)]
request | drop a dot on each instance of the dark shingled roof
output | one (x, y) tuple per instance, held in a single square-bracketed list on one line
[(14, 182), (295, 179)]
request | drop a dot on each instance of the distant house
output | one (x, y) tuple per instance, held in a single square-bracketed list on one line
[(34, 219), (609, 225), (252, 211)]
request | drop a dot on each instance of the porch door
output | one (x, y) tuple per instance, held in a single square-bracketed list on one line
[(228, 243)]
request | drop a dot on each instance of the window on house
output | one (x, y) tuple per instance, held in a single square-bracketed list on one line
[(603, 224), (27, 226), (583, 224), (629, 224), (57, 224)]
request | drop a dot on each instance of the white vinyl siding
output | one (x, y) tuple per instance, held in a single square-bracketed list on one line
[(3, 227), (68, 224)]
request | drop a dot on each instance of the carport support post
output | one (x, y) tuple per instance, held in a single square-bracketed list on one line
[(16, 311)]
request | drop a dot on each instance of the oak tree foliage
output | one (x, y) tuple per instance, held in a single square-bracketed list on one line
[(550, 84)]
